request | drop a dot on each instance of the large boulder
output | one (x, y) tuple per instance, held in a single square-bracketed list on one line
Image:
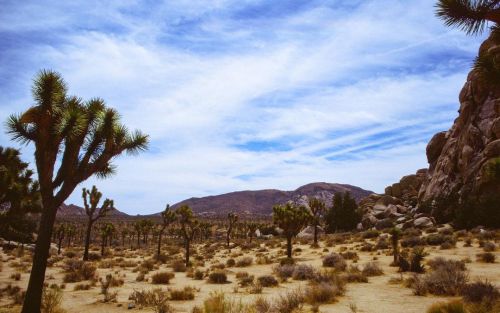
[(423, 222)]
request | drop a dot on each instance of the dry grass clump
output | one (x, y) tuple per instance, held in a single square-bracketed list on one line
[(481, 295), (15, 276), (370, 234), (186, 293), (486, 257), (412, 241), (78, 270), (372, 269), (446, 278), (217, 277), (355, 275), (155, 299), (267, 281), (284, 271), (455, 306), (244, 261), (14, 292), (336, 261), (303, 272), (489, 246), (324, 292), (82, 287), (162, 277), (51, 301), (179, 266)]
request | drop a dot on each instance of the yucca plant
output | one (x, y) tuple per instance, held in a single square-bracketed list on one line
[(91, 199), (168, 217), (74, 140)]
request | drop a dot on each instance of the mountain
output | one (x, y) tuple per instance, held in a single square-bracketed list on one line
[(262, 201), (71, 210)]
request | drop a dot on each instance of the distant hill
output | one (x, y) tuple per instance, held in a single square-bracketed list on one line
[(71, 210), (262, 201)]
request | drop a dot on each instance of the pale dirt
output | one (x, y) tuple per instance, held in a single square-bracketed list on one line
[(376, 296)]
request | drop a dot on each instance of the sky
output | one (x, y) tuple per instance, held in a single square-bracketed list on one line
[(248, 94)]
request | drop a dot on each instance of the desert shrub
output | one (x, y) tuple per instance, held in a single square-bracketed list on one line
[(480, 291), (454, 306), (350, 255), (105, 285), (51, 300), (486, 257), (198, 274), (218, 303), (289, 302), (244, 262), (246, 281), (413, 241), (370, 234), (439, 239), (162, 277), (489, 246), (323, 292), (16, 276), (336, 261), (140, 277), (284, 271), (147, 265), (217, 277), (70, 254), (178, 266), (230, 262), (372, 269), (78, 270), (94, 256), (186, 293), (440, 261), (81, 287), (255, 288), (447, 278), (381, 244), (267, 281), (155, 299), (303, 272), (354, 275), (366, 247)]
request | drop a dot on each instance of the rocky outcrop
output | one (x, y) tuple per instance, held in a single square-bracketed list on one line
[(397, 207), (459, 158)]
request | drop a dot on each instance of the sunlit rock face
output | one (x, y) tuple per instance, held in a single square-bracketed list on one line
[(459, 158)]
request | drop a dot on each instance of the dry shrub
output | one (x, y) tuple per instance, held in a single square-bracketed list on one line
[(230, 262), (289, 302), (372, 269), (284, 271), (217, 277), (303, 272), (489, 246), (481, 291), (455, 306), (107, 283), (217, 303), (267, 281), (162, 277), (354, 275), (179, 266), (82, 287), (244, 261), (155, 299), (446, 278), (78, 270), (198, 274), (51, 301), (323, 292), (336, 261), (186, 293), (486, 257)]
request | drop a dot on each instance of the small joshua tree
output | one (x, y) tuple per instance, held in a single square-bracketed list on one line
[(60, 233), (189, 226), (395, 235), (91, 200), (252, 228), (107, 231), (318, 209), (168, 217), (291, 219), (232, 218)]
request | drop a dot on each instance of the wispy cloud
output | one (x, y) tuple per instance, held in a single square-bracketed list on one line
[(247, 94)]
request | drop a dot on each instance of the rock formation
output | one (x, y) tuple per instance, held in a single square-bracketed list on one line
[(460, 158)]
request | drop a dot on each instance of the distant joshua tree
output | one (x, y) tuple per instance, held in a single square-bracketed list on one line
[(189, 226), (74, 140), (60, 233), (291, 219), (168, 217), (107, 231), (91, 200), (252, 228), (395, 235), (318, 209), (232, 218)]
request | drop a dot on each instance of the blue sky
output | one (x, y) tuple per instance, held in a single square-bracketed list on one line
[(240, 95)]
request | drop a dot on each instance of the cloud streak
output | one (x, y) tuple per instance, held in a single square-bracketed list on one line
[(248, 94)]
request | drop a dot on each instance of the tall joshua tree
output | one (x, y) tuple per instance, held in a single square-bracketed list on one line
[(73, 140), (189, 226), (91, 199), (232, 218), (168, 217), (318, 209), (291, 219), (472, 16)]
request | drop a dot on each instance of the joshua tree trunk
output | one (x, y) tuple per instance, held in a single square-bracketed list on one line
[(289, 247), (315, 234), (159, 245), (59, 244), (187, 252), (103, 244), (138, 241), (87, 242), (33, 299)]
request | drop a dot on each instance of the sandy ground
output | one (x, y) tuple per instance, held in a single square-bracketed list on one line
[(376, 296)]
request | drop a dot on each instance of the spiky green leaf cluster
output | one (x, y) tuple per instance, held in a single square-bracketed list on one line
[(471, 16)]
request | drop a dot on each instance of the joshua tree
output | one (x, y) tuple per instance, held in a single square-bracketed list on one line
[(395, 234), (231, 220), (291, 219), (252, 228), (70, 233), (168, 217), (107, 231), (189, 225), (93, 213), (124, 232), (471, 16), (60, 232), (19, 195), (73, 140), (317, 208)]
